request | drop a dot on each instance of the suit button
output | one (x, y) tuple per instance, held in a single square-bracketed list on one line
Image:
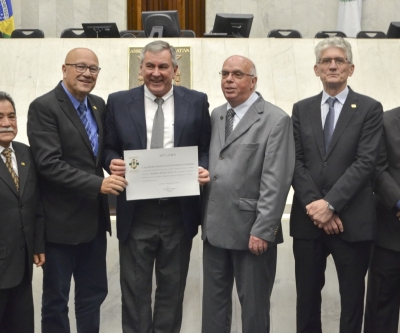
[(325, 164), (215, 177), (22, 248), (22, 207), (221, 157), (22, 227)]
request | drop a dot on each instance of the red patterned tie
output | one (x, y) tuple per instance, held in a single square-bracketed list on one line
[(7, 153)]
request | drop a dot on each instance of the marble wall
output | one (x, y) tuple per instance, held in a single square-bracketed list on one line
[(307, 16)]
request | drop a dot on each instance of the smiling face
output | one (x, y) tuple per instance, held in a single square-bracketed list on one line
[(8, 123), (158, 72), (79, 84), (237, 91), (333, 74)]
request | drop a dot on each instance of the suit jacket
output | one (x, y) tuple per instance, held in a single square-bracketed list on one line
[(250, 173), (21, 219), (343, 176), (387, 183), (126, 130), (70, 176)]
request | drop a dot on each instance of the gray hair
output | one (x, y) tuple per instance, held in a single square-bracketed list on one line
[(6, 97), (253, 70), (158, 46), (338, 42)]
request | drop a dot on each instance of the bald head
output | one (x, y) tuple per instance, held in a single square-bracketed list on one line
[(79, 83), (239, 78)]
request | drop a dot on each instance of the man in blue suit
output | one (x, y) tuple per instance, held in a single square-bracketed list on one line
[(156, 231)]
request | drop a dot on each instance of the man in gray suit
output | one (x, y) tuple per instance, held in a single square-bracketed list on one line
[(251, 165)]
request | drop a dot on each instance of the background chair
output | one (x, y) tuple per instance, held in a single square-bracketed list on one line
[(327, 34), (132, 34), (27, 33), (371, 34), (73, 33), (284, 33), (188, 33)]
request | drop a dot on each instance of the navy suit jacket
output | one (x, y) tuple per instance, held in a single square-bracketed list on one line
[(343, 176), (126, 130)]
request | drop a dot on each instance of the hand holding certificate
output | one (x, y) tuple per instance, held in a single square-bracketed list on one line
[(161, 173)]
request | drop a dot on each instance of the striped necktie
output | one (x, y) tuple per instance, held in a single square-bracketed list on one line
[(92, 136), (229, 122), (329, 122)]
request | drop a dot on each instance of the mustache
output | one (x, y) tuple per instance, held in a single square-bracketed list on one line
[(8, 129)]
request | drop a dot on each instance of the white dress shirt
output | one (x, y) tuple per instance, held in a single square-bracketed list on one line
[(241, 109), (151, 107)]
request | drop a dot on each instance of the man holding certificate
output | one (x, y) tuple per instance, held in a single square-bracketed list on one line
[(155, 232)]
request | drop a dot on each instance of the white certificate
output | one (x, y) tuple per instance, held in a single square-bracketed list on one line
[(161, 173)]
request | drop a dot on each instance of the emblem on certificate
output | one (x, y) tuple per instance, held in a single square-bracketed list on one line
[(134, 163)]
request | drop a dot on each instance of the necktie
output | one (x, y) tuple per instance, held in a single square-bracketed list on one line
[(157, 133), (329, 122), (229, 122), (7, 153), (92, 136)]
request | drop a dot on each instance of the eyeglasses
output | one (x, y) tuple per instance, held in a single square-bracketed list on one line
[(328, 61), (236, 74), (81, 68)]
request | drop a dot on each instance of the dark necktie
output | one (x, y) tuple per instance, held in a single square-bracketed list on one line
[(157, 133), (229, 122), (7, 153), (92, 136), (329, 122)]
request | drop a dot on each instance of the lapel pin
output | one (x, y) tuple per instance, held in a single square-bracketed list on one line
[(23, 163), (353, 106), (94, 107), (222, 117)]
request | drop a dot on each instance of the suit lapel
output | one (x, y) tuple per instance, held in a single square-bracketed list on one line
[(68, 108), (23, 164), (316, 123), (398, 122), (349, 108), (251, 116), (136, 109), (181, 109), (221, 112)]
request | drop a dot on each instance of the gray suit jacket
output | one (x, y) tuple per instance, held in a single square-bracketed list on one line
[(250, 176), (21, 219)]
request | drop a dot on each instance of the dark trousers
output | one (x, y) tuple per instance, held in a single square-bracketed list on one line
[(16, 307), (157, 239), (87, 264), (383, 293), (254, 276), (351, 261)]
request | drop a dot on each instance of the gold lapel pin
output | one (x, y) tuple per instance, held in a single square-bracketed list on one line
[(353, 106), (94, 107), (23, 163)]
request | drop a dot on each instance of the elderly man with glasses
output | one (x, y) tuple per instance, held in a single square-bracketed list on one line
[(337, 136), (251, 166), (66, 134)]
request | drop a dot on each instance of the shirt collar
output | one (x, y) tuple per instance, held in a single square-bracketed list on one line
[(341, 97), (73, 99), (241, 109), (151, 96), (2, 148)]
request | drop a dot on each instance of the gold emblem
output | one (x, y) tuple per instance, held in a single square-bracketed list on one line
[(94, 107), (23, 163), (353, 106)]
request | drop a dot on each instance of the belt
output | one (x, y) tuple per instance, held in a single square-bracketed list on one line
[(163, 201)]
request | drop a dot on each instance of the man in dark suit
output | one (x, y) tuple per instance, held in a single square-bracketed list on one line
[(337, 137), (21, 225), (251, 166), (65, 131), (383, 293), (156, 231)]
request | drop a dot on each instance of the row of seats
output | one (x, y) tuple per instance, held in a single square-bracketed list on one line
[(291, 33), (79, 33), (276, 33)]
